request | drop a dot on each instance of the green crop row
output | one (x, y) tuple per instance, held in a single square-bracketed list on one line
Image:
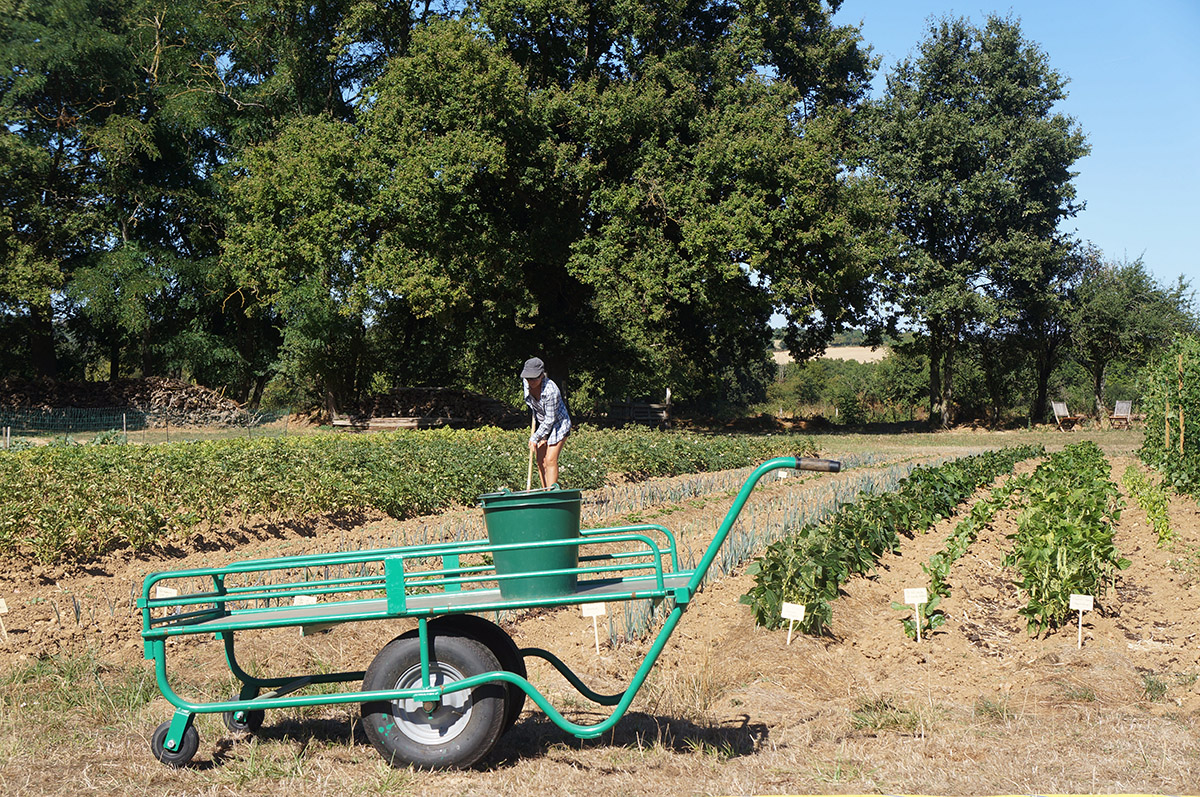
[(810, 566), (75, 502), (1064, 539), (938, 567), (1152, 498)]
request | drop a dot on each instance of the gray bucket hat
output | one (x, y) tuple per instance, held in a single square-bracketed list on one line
[(534, 367)]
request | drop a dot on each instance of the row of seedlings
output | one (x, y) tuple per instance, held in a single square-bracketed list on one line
[(938, 568), (1152, 498), (810, 566)]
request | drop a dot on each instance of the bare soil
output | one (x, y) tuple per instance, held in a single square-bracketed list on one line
[(981, 707)]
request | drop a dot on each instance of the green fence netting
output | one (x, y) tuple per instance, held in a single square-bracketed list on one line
[(84, 423)]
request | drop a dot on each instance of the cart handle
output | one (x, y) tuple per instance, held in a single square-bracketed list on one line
[(796, 463), (825, 465)]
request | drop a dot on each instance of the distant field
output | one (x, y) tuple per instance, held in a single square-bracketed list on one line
[(862, 354)]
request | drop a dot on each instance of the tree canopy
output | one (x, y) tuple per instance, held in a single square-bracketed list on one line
[(342, 196)]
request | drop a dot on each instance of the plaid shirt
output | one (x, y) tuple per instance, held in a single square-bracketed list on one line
[(550, 412)]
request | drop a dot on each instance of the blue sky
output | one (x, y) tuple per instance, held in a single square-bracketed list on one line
[(1134, 71)]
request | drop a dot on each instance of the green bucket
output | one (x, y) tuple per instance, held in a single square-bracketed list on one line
[(534, 516)]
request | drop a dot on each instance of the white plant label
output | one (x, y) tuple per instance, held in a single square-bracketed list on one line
[(167, 592), (3, 607), (3, 610), (593, 610), (1081, 603), (317, 628), (793, 613), (914, 597)]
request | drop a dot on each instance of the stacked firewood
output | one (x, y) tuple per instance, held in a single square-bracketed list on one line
[(436, 402), (162, 400)]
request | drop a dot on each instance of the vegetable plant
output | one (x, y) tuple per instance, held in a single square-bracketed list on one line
[(1152, 498), (1064, 539), (810, 566)]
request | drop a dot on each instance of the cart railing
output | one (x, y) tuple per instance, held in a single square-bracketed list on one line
[(404, 581)]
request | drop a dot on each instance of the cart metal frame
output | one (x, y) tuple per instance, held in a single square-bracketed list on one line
[(423, 582)]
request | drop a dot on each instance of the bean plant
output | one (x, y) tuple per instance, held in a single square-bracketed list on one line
[(1064, 539), (1152, 498)]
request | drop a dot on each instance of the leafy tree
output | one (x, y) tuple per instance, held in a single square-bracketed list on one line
[(980, 165), (1034, 289), (633, 214), (1123, 314)]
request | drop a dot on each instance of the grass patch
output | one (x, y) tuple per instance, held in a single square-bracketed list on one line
[(1154, 688), (57, 685), (993, 710), (880, 714), (1079, 693)]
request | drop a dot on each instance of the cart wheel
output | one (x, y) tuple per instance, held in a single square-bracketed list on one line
[(457, 732), (175, 758), (503, 648), (243, 721)]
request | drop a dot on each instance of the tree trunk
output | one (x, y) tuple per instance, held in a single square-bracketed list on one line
[(41, 342), (935, 374), (1041, 394), (948, 382), (114, 357), (1099, 371), (260, 382)]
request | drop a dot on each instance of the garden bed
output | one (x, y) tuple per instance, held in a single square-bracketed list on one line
[(980, 707)]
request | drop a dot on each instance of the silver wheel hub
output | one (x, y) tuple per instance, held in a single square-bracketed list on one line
[(446, 720)]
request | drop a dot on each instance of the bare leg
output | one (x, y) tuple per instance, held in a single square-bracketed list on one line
[(548, 463)]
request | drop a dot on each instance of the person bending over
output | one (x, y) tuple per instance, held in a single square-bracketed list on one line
[(552, 424)]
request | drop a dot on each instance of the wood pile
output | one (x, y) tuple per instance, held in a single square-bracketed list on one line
[(163, 401), (416, 407)]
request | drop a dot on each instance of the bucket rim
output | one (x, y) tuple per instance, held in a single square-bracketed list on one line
[(532, 497)]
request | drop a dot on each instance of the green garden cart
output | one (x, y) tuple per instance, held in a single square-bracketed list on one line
[(440, 695)]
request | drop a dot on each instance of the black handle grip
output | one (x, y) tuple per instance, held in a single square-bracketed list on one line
[(826, 465)]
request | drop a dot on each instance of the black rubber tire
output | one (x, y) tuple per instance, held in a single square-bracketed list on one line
[(503, 648), (175, 758), (251, 720), (462, 729)]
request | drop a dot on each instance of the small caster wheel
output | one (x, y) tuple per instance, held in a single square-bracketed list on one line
[(243, 721), (174, 758)]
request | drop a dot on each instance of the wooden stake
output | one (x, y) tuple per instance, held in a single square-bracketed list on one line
[(1167, 427), (1180, 402)]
